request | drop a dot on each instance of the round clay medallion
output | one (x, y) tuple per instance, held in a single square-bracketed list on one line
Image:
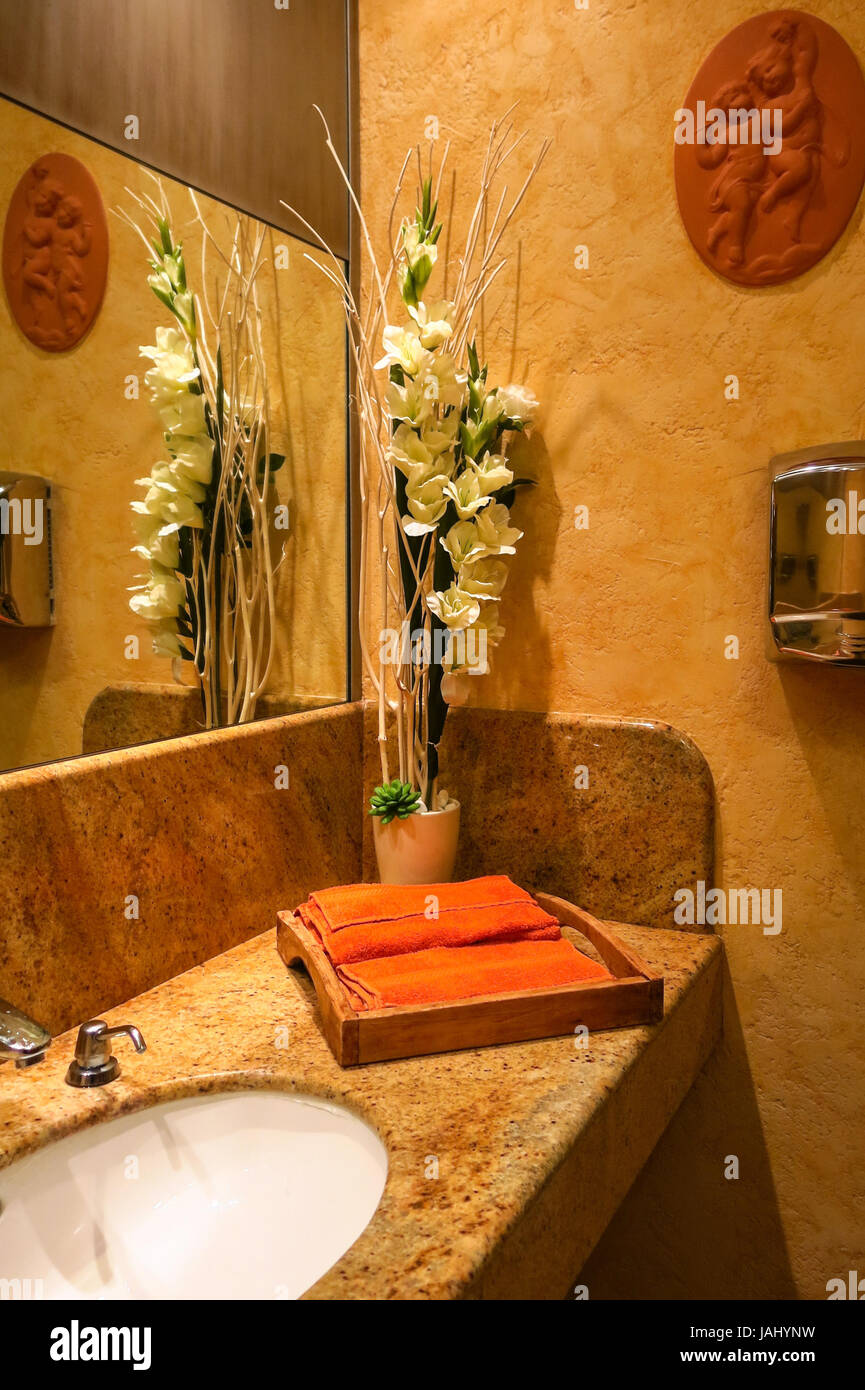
[(55, 252), (770, 148)]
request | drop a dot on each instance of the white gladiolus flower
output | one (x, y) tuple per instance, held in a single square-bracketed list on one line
[(171, 346), (165, 387), (441, 435), (485, 579), (466, 494), (183, 414), (408, 451), (463, 544), (146, 523), (184, 308), (166, 641), (161, 283), (426, 502), (181, 484), (442, 382), (492, 473), (193, 457), (175, 489), (415, 249), (171, 509), (166, 480), (409, 403), (402, 348), (434, 322), (495, 536), (174, 366), (178, 510), (517, 403), (455, 609), (160, 550), (151, 506), (162, 597), (492, 408)]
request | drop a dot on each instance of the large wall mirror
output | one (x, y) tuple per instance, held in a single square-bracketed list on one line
[(219, 97)]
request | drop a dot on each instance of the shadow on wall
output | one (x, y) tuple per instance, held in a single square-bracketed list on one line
[(685, 1231), (826, 707), (537, 512), (27, 649)]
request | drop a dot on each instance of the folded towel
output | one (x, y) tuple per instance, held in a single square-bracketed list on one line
[(441, 974), (363, 921)]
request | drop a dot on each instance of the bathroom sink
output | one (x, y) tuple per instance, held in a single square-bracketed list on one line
[(251, 1194)]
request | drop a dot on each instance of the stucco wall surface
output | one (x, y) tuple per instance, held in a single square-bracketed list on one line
[(631, 616)]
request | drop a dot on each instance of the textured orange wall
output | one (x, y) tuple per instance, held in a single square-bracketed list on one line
[(66, 417), (629, 359)]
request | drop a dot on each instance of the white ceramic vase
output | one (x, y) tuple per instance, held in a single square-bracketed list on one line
[(420, 849)]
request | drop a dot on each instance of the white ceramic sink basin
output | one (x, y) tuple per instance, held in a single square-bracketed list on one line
[(251, 1194)]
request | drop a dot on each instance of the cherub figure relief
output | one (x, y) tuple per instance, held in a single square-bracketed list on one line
[(55, 242), (739, 185), (55, 252), (783, 76), (43, 196), (770, 192), (71, 244)]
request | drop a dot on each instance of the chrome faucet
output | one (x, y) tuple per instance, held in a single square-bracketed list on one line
[(93, 1064), (22, 1041)]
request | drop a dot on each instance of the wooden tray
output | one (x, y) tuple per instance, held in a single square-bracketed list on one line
[(635, 995)]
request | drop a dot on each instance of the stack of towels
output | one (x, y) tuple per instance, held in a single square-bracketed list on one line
[(392, 944)]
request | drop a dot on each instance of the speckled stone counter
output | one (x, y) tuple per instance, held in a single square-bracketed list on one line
[(120, 870), (506, 1164), (126, 715), (613, 814)]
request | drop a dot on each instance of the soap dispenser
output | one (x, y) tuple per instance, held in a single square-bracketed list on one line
[(817, 555), (26, 565)]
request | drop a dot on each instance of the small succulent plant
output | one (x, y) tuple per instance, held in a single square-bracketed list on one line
[(393, 800)]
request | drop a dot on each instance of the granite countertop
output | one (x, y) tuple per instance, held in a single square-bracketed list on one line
[(536, 1143)]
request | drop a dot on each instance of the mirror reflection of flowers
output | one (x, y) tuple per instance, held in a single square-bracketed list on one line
[(203, 524), (437, 484)]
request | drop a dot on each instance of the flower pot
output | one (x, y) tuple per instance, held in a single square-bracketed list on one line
[(420, 849)]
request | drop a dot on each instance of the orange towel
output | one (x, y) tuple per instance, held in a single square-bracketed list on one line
[(364, 921), (440, 975)]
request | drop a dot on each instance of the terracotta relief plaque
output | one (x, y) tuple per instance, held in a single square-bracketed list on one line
[(55, 252), (770, 148)]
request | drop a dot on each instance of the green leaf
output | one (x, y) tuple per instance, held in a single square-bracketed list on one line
[(165, 234), (164, 297)]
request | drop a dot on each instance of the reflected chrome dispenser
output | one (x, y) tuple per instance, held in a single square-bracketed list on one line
[(26, 566), (817, 555)]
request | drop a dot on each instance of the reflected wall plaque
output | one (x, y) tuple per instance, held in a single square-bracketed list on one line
[(55, 252), (770, 148)]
